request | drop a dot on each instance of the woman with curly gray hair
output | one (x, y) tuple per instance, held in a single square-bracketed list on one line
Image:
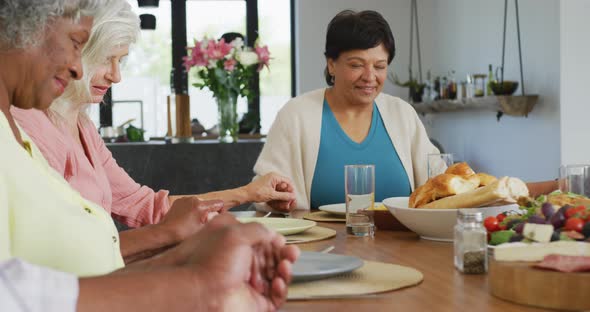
[(67, 241)]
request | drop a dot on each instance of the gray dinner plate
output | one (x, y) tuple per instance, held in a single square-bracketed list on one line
[(316, 265)]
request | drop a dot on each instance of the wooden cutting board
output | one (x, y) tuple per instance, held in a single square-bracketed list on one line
[(521, 283)]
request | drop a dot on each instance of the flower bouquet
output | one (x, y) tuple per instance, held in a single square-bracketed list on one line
[(227, 70)]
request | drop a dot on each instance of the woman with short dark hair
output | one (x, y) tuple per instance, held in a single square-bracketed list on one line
[(351, 31), (350, 122)]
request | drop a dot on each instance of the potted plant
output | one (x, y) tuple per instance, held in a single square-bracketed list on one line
[(416, 88)]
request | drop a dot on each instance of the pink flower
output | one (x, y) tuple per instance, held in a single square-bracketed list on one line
[(263, 56), (236, 60), (196, 58), (218, 50), (187, 62), (198, 55), (230, 64)]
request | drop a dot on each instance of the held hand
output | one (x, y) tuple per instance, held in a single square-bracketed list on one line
[(274, 189), (188, 215), (282, 205), (240, 265)]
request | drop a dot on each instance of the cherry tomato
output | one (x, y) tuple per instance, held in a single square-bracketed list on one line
[(574, 224), (491, 224), (500, 217), (572, 211), (502, 226)]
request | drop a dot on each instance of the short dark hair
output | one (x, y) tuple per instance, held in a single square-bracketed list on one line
[(350, 30)]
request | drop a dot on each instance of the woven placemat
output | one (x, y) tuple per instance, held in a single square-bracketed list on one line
[(323, 216), (371, 278), (316, 233)]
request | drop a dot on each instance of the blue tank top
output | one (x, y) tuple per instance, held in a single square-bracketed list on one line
[(337, 150)]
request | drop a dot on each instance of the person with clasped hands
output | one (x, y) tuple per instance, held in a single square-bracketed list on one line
[(60, 252), (350, 122), (68, 139)]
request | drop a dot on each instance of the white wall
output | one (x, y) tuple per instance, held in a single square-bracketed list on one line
[(575, 81), (313, 17), (466, 35)]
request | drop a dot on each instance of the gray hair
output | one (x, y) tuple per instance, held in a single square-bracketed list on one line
[(115, 25), (23, 22)]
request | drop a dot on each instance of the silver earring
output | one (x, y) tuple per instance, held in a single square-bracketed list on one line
[(332, 80)]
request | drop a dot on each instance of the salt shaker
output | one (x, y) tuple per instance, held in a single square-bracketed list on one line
[(471, 252)]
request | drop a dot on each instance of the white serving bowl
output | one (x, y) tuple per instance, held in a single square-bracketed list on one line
[(434, 224)]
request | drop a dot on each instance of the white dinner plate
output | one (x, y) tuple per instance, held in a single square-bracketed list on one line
[(339, 209), (316, 265), (284, 226)]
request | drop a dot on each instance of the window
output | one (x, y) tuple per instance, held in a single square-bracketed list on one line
[(145, 80), (275, 85), (212, 19)]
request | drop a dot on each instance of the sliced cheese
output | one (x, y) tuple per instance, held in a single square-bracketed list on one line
[(536, 252), (538, 232)]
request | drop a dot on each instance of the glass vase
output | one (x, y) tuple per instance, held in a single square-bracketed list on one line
[(227, 106)]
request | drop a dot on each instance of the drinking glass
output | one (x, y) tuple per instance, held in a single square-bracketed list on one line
[(359, 185), (575, 179), (438, 163)]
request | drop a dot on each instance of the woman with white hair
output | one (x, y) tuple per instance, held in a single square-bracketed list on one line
[(61, 236), (69, 141)]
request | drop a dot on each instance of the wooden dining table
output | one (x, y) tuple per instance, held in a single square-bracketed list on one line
[(443, 288)]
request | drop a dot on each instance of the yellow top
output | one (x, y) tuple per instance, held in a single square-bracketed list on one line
[(44, 221)]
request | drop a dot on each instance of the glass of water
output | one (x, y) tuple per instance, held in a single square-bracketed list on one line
[(575, 179), (438, 163), (359, 185)]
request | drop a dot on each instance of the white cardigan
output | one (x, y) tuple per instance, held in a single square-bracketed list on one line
[(293, 141)]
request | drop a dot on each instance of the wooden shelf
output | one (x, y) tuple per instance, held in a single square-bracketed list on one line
[(513, 105)]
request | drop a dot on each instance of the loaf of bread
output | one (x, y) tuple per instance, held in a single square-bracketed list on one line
[(458, 178), (502, 191), (461, 187), (463, 170), (460, 169), (486, 179), (421, 196), (442, 185), (449, 184)]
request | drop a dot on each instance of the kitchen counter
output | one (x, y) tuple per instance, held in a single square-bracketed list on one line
[(188, 168)]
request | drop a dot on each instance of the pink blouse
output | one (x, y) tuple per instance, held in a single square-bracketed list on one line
[(92, 170)]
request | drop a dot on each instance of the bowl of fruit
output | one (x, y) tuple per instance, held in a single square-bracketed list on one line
[(543, 221)]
